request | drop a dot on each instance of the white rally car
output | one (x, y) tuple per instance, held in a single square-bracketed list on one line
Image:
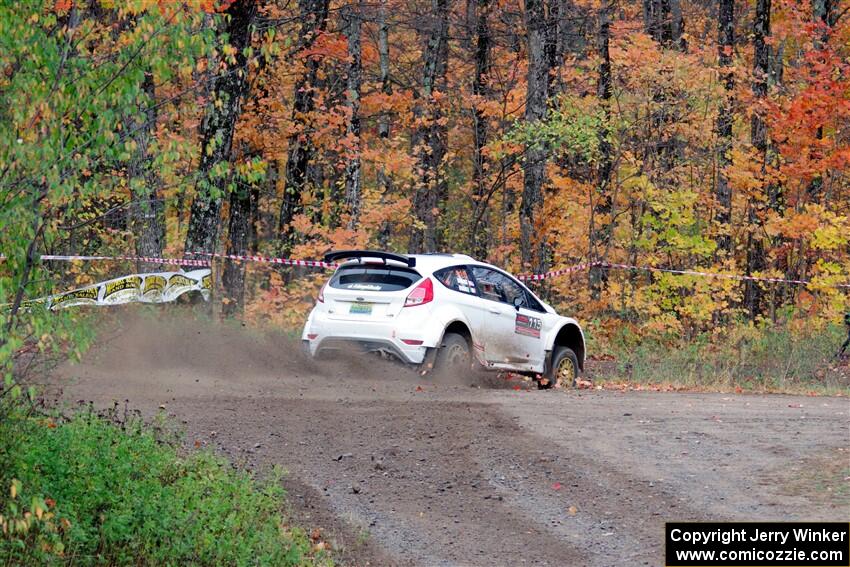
[(443, 311)]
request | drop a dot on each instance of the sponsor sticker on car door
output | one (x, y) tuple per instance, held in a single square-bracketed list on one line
[(527, 325)]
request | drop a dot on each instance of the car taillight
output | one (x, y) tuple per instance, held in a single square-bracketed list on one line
[(421, 294), (321, 296)]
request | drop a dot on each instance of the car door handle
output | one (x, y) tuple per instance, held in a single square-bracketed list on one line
[(495, 311)]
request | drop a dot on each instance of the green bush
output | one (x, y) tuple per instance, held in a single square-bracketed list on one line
[(87, 491)]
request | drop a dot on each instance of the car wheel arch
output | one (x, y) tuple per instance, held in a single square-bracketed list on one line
[(571, 336), (457, 326)]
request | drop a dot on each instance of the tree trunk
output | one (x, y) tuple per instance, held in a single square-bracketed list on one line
[(240, 232), (532, 246), (677, 39), (429, 140), (478, 239), (384, 64), (554, 56), (723, 192), (822, 15), (384, 180), (570, 33), (146, 210), (352, 168), (601, 235), (216, 133), (314, 16), (658, 21), (663, 21), (758, 137)]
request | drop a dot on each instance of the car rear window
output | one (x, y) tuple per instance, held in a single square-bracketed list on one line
[(374, 278)]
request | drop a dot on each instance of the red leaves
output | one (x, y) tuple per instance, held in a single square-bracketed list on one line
[(212, 6), (331, 45)]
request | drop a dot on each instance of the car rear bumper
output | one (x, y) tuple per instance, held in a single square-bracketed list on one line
[(321, 333)]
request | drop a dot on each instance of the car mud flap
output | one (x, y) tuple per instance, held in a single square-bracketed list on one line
[(427, 365), (478, 353)]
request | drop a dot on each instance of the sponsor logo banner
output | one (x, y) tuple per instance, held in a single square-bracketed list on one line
[(154, 287)]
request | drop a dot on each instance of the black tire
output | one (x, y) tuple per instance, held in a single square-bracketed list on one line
[(454, 356), (563, 370)]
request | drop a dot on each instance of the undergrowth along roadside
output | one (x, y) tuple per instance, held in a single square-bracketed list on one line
[(782, 359), (90, 490)]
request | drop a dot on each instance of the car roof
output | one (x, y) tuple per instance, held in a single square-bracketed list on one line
[(434, 262), (427, 264)]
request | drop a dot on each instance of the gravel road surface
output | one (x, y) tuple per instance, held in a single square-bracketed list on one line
[(396, 469)]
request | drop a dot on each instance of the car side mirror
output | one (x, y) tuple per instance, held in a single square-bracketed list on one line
[(518, 302)]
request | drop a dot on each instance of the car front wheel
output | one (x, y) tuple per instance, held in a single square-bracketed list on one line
[(563, 371)]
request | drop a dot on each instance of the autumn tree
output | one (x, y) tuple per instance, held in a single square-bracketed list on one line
[(229, 89), (352, 21), (759, 139), (146, 212), (478, 231), (725, 116), (601, 224), (429, 136), (313, 16), (532, 244)]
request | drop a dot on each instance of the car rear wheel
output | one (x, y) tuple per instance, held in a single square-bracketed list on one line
[(563, 371), (454, 355)]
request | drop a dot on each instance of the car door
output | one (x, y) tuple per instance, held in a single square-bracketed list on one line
[(513, 334), (464, 296)]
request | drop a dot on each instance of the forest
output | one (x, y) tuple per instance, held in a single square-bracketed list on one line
[(671, 173), (703, 136)]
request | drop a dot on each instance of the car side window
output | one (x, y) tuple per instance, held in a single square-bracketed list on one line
[(532, 303), (457, 279), (497, 286)]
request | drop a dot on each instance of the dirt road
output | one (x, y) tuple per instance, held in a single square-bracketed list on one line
[(398, 470)]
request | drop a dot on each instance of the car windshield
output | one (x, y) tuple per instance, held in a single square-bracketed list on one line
[(374, 278)]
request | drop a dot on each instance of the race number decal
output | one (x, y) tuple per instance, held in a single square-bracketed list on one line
[(528, 326)]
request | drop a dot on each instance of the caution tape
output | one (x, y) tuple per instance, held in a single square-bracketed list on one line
[(556, 273), (266, 260), (149, 259), (610, 265)]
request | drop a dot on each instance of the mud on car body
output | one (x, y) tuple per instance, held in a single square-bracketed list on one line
[(448, 312)]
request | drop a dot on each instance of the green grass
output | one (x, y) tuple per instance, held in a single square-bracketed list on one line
[(776, 359), (88, 491)]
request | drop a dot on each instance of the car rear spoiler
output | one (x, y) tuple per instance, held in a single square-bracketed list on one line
[(360, 254)]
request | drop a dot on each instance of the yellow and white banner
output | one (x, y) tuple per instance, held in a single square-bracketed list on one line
[(154, 287)]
